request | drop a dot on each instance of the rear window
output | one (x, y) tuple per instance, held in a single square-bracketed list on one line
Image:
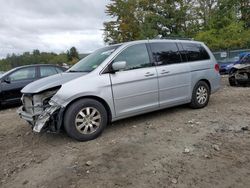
[(195, 52), (165, 53)]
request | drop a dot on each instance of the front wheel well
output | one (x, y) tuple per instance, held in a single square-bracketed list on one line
[(102, 101)]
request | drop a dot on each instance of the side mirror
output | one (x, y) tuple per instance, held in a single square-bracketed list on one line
[(119, 65), (7, 80)]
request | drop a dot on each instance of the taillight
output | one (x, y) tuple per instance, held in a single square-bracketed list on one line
[(217, 67)]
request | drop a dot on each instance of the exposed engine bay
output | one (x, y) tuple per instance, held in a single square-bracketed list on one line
[(40, 111)]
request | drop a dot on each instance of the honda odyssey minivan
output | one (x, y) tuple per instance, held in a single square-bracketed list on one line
[(120, 81)]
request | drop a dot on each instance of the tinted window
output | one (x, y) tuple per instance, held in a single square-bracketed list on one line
[(182, 52), (23, 74), (47, 71), (136, 57), (165, 53), (195, 52), (59, 70)]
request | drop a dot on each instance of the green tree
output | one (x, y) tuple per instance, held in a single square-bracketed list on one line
[(125, 27), (36, 52), (28, 58), (142, 19), (225, 28), (222, 24), (233, 36), (72, 54)]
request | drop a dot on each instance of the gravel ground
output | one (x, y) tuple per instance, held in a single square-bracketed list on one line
[(177, 147)]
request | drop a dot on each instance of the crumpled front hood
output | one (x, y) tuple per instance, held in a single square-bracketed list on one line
[(241, 66), (50, 82)]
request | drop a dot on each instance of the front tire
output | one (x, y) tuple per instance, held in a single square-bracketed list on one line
[(200, 95), (85, 119)]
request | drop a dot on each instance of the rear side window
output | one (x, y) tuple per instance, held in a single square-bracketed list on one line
[(59, 70), (47, 71), (165, 53), (182, 52), (195, 52)]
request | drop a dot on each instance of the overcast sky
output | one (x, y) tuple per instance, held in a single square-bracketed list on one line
[(51, 25)]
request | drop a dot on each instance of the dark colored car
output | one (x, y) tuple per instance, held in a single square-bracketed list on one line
[(12, 82), (240, 73), (227, 64)]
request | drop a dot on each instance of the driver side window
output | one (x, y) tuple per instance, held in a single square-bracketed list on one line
[(23, 74), (136, 57)]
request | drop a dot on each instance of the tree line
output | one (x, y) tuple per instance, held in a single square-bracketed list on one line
[(221, 24), (37, 57)]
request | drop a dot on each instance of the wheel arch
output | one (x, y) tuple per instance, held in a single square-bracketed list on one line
[(207, 82), (99, 99)]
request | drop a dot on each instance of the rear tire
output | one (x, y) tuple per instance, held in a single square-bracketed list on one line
[(85, 119), (200, 95)]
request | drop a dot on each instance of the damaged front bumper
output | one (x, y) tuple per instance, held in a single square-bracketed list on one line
[(41, 112), (38, 121), (240, 76)]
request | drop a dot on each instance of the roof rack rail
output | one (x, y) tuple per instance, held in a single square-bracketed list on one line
[(173, 38)]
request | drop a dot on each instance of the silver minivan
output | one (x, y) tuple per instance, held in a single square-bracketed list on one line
[(120, 81)]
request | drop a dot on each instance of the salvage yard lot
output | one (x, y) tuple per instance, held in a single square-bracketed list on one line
[(176, 147)]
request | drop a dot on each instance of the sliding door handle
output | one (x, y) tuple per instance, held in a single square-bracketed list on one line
[(148, 74)]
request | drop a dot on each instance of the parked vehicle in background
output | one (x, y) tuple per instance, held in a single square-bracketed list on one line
[(227, 64), (13, 81), (239, 75), (120, 81), (1, 73)]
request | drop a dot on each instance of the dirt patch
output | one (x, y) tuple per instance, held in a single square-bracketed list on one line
[(177, 147)]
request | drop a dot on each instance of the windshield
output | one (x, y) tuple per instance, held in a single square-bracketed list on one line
[(246, 59), (93, 60), (229, 60)]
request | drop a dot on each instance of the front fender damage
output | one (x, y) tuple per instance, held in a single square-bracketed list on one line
[(41, 111), (44, 118)]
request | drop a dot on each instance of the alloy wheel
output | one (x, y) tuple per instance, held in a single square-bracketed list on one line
[(88, 120), (202, 95)]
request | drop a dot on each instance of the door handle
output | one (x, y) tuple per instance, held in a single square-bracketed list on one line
[(165, 72), (148, 74)]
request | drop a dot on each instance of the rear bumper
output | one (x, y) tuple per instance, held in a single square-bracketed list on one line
[(215, 84)]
